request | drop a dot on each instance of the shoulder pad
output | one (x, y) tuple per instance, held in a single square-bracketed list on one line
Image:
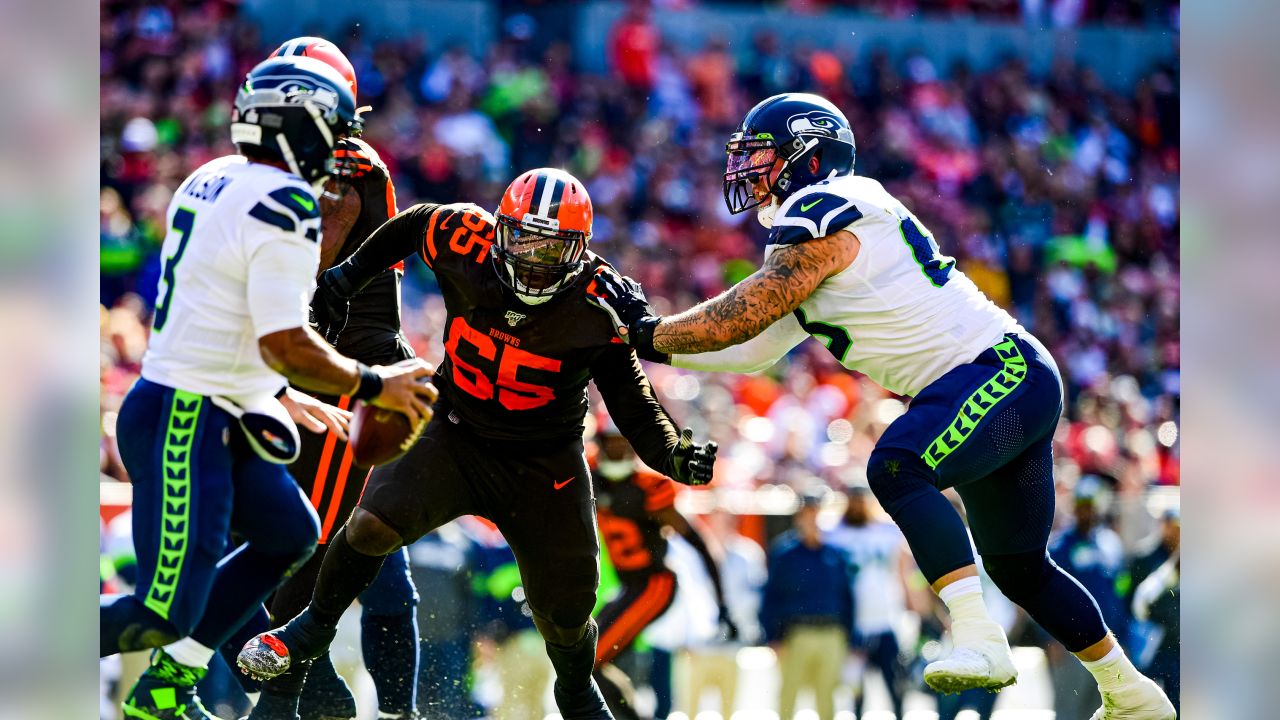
[(458, 229), (812, 215), (289, 208)]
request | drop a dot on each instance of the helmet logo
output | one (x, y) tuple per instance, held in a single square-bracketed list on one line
[(814, 122), (514, 318)]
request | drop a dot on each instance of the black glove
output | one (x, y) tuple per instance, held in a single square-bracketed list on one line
[(633, 317), (691, 463), (728, 628), (332, 303)]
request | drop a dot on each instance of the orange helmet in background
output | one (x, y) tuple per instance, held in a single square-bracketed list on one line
[(544, 226), (323, 50)]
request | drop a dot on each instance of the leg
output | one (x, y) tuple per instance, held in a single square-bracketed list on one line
[(660, 679), (626, 616), (401, 502), (884, 655), (389, 635), (792, 659), (618, 691), (1011, 512), (170, 442), (826, 674), (553, 536), (964, 426)]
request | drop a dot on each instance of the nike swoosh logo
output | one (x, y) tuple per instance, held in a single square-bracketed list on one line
[(562, 483), (805, 208), (306, 203)]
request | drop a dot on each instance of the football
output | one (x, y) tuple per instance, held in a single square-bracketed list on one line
[(379, 436)]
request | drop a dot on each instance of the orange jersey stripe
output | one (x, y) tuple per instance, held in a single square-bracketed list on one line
[(338, 487), (326, 456)]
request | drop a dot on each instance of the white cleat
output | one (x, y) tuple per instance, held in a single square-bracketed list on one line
[(1141, 700), (980, 659)]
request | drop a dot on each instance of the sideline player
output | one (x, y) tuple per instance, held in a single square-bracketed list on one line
[(522, 341), (359, 197), (205, 432), (848, 263), (633, 506)]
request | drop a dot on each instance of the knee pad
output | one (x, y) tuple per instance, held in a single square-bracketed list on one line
[(369, 535), (565, 628), (896, 476), (1018, 575)]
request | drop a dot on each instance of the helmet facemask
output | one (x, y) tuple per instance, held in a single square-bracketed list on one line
[(536, 263), (750, 159)]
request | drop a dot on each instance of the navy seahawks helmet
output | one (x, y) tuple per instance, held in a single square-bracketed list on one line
[(295, 108), (793, 127)]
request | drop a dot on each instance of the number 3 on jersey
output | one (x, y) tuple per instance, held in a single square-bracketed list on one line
[(935, 266), (183, 220)]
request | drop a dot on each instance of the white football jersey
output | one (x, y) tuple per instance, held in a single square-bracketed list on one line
[(901, 313), (240, 261)]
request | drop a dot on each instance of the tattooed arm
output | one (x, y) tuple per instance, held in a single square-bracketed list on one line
[(790, 274)]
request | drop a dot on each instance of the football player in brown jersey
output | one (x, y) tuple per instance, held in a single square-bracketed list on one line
[(521, 343)]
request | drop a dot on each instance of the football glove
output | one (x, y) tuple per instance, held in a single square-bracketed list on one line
[(332, 303), (691, 463), (633, 317)]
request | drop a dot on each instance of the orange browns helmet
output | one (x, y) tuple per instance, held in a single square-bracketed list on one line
[(322, 50), (544, 226)]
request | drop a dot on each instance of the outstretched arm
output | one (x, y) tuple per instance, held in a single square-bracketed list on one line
[(672, 518), (759, 353), (790, 274)]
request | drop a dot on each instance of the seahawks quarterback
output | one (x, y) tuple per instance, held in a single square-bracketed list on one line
[(205, 432), (849, 264)]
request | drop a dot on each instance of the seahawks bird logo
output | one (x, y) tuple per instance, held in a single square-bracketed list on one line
[(814, 122)]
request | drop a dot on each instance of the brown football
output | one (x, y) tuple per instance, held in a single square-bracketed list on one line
[(379, 436)]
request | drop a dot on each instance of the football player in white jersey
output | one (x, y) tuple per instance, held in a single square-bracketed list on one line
[(206, 431), (849, 264)]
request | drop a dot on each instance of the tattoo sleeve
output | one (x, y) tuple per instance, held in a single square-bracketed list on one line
[(790, 274)]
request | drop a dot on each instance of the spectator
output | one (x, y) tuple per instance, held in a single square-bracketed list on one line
[(807, 611), (1157, 600), (878, 561)]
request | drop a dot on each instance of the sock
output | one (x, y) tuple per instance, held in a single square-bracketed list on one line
[(574, 663), (390, 647), (345, 574), (1113, 671), (190, 653), (964, 601)]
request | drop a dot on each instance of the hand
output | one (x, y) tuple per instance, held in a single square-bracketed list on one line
[(691, 463), (331, 304), (407, 388), (728, 628), (316, 416), (633, 317)]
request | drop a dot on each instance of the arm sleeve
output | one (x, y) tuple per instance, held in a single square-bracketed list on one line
[(634, 407), (395, 240), (281, 279), (694, 538), (758, 353)]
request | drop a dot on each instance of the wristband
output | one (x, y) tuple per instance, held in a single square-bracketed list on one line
[(642, 340), (370, 385)]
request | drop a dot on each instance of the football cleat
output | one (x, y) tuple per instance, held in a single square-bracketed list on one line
[(980, 659), (326, 696), (272, 653), (1140, 700), (166, 691)]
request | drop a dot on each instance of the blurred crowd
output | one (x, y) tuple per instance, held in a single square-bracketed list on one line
[(1058, 195)]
